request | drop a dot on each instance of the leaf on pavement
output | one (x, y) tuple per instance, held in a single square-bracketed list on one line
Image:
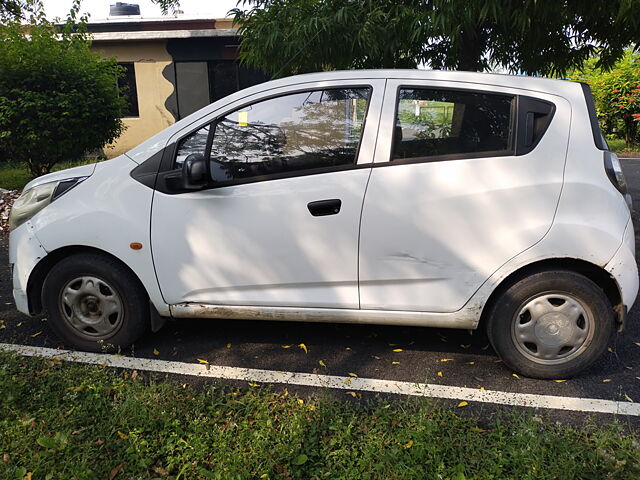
[(471, 363), (251, 384), (202, 360), (354, 394), (36, 334), (628, 398), (228, 345), (156, 351), (466, 346), (322, 364), (559, 381), (303, 347), (446, 360), (395, 363), (439, 374), (397, 350), (286, 346), (606, 380), (515, 375), (463, 404), (351, 374)]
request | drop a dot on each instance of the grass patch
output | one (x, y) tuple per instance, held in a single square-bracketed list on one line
[(68, 421), (15, 177), (619, 146)]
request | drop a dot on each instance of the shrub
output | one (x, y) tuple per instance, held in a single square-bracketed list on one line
[(58, 100)]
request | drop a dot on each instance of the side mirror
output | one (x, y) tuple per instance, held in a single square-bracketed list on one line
[(194, 172)]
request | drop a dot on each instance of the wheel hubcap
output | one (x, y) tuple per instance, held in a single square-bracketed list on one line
[(91, 307), (552, 328)]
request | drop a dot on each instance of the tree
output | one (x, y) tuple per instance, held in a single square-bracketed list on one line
[(58, 100), (546, 37), (11, 8), (617, 96)]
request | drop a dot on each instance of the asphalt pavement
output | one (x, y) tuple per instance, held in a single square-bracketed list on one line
[(434, 356)]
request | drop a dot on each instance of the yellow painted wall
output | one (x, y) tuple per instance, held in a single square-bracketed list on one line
[(150, 58)]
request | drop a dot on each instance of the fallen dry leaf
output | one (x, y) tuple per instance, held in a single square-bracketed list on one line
[(466, 346), (202, 360), (628, 398), (559, 381), (515, 375), (463, 404), (397, 350), (395, 363), (408, 445), (115, 471), (606, 380), (303, 347), (446, 360), (477, 429), (286, 346), (228, 345), (355, 394), (351, 374), (35, 334), (439, 374), (322, 364), (471, 363), (156, 351)]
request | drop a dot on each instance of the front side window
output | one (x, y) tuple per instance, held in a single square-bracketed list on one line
[(299, 132), (434, 122)]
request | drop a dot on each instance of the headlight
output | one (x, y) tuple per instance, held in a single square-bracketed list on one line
[(35, 199)]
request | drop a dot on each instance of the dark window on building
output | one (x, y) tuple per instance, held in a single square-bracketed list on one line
[(127, 85), (201, 83), (432, 123)]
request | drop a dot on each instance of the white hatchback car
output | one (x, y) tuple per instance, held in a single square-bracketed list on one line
[(423, 198)]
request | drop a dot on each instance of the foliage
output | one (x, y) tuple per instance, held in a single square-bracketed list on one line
[(62, 420), (58, 100), (544, 37), (11, 8), (617, 96)]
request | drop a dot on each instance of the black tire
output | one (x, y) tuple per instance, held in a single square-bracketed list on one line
[(101, 284), (511, 324)]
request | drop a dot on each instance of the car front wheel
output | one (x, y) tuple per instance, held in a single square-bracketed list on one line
[(551, 324), (95, 303)]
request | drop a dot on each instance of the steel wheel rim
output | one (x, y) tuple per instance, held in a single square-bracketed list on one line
[(552, 328), (91, 307)]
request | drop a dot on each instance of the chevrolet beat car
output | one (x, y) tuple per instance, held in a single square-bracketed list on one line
[(421, 198)]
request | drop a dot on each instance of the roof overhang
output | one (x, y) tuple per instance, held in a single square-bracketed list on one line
[(161, 35)]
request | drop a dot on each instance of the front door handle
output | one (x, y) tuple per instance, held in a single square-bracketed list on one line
[(321, 208)]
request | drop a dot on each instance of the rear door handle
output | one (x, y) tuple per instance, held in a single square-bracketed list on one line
[(321, 208)]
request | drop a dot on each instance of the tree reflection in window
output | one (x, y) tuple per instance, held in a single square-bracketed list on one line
[(303, 131)]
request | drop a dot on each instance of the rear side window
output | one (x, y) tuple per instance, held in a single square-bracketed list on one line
[(434, 123), (306, 131)]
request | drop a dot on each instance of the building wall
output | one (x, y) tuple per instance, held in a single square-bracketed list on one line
[(150, 59)]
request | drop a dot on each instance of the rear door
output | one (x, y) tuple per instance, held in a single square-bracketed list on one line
[(465, 178)]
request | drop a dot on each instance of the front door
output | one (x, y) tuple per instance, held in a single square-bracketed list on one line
[(280, 225)]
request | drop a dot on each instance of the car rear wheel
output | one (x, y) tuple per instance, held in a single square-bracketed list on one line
[(551, 324), (95, 303)]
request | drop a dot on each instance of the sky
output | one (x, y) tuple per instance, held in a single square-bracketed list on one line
[(99, 9)]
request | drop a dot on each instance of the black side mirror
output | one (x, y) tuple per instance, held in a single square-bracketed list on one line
[(194, 172)]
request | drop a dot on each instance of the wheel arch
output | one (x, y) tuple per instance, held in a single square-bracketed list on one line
[(44, 266), (595, 273)]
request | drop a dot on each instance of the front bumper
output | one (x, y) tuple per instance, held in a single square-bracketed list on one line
[(623, 268), (25, 251)]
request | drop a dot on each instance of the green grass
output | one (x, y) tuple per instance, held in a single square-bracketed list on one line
[(618, 145), (14, 177), (68, 421)]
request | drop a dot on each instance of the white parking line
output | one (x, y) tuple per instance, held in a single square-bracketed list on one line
[(575, 404)]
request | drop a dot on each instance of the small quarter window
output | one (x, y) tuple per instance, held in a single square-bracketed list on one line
[(194, 143), (433, 122)]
